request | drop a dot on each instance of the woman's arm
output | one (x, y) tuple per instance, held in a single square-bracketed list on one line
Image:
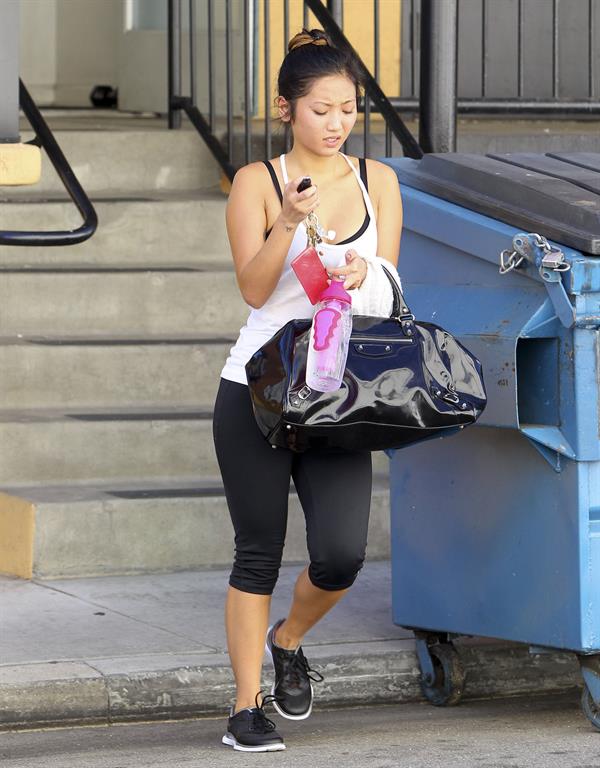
[(388, 209), (259, 263)]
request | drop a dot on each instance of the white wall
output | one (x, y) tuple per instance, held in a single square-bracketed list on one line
[(38, 49), (67, 47), (87, 44)]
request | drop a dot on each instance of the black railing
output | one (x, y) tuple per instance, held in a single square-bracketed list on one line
[(210, 124), (524, 57), (45, 139), (515, 57)]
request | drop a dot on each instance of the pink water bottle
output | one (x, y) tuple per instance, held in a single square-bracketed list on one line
[(329, 337)]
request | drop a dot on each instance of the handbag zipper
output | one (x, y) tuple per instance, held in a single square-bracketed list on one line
[(379, 340)]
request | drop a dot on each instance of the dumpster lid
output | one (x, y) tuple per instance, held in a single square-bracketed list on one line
[(555, 194)]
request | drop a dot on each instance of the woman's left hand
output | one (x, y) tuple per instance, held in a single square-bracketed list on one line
[(353, 273)]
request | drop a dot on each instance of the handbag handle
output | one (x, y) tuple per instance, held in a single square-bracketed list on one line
[(400, 310)]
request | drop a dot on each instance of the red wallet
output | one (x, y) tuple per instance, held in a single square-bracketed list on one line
[(311, 273)]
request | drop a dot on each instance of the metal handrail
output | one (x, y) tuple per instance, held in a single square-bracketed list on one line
[(535, 107), (200, 123), (44, 138)]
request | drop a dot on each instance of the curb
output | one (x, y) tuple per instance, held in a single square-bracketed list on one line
[(356, 674)]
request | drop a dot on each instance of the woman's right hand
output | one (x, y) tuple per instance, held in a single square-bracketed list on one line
[(297, 205)]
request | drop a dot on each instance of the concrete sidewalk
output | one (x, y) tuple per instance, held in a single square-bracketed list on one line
[(144, 647)]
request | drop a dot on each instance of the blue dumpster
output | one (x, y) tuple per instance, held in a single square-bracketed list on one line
[(496, 531)]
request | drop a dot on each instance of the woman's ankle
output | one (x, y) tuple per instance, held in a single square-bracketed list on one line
[(283, 639), (245, 702)]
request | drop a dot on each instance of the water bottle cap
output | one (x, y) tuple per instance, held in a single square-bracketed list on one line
[(336, 290)]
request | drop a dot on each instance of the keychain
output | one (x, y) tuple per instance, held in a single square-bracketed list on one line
[(315, 232)]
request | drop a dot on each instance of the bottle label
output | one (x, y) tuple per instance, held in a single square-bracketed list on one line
[(326, 321)]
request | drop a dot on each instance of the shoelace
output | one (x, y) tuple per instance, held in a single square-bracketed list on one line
[(260, 721), (299, 667)]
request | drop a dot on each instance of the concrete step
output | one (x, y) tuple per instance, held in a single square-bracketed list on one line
[(74, 447), (143, 229), (127, 303), (66, 373), (146, 527), (131, 160), (81, 446)]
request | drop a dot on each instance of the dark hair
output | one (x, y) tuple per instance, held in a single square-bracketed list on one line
[(312, 55)]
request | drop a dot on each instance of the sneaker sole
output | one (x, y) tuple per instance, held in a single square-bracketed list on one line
[(231, 741), (275, 704)]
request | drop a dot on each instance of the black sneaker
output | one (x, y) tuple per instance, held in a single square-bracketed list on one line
[(250, 730), (292, 689)]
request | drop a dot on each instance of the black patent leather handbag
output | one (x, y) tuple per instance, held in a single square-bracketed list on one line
[(405, 381)]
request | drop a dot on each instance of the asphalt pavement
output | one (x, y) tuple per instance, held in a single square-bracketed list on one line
[(531, 732)]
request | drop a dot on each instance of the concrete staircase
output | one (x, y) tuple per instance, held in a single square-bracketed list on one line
[(110, 353)]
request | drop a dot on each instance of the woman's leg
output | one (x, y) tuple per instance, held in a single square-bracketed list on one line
[(256, 480), (335, 493), (246, 623), (309, 605)]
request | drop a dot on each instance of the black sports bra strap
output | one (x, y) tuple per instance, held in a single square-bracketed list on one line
[(274, 179), (362, 167)]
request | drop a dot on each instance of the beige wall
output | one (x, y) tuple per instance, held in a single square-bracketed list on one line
[(67, 47)]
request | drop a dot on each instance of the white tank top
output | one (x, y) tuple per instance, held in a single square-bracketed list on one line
[(288, 300)]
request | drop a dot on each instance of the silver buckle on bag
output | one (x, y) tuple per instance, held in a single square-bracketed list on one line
[(450, 397), (301, 395)]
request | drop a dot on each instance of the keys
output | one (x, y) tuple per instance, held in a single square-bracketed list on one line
[(315, 232)]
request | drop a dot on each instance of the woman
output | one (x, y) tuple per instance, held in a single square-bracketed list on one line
[(318, 88)]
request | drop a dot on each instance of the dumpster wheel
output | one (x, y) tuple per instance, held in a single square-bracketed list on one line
[(590, 708), (449, 684)]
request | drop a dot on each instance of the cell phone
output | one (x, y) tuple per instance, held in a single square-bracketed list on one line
[(304, 184), (312, 274)]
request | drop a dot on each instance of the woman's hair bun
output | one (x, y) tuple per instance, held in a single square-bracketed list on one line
[(312, 55), (308, 37)]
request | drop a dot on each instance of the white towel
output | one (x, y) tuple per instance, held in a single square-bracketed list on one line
[(375, 297)]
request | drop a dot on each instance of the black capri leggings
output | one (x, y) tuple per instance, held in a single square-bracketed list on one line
[(334, 490)]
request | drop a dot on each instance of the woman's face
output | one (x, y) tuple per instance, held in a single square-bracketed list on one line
[(325, 116)]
